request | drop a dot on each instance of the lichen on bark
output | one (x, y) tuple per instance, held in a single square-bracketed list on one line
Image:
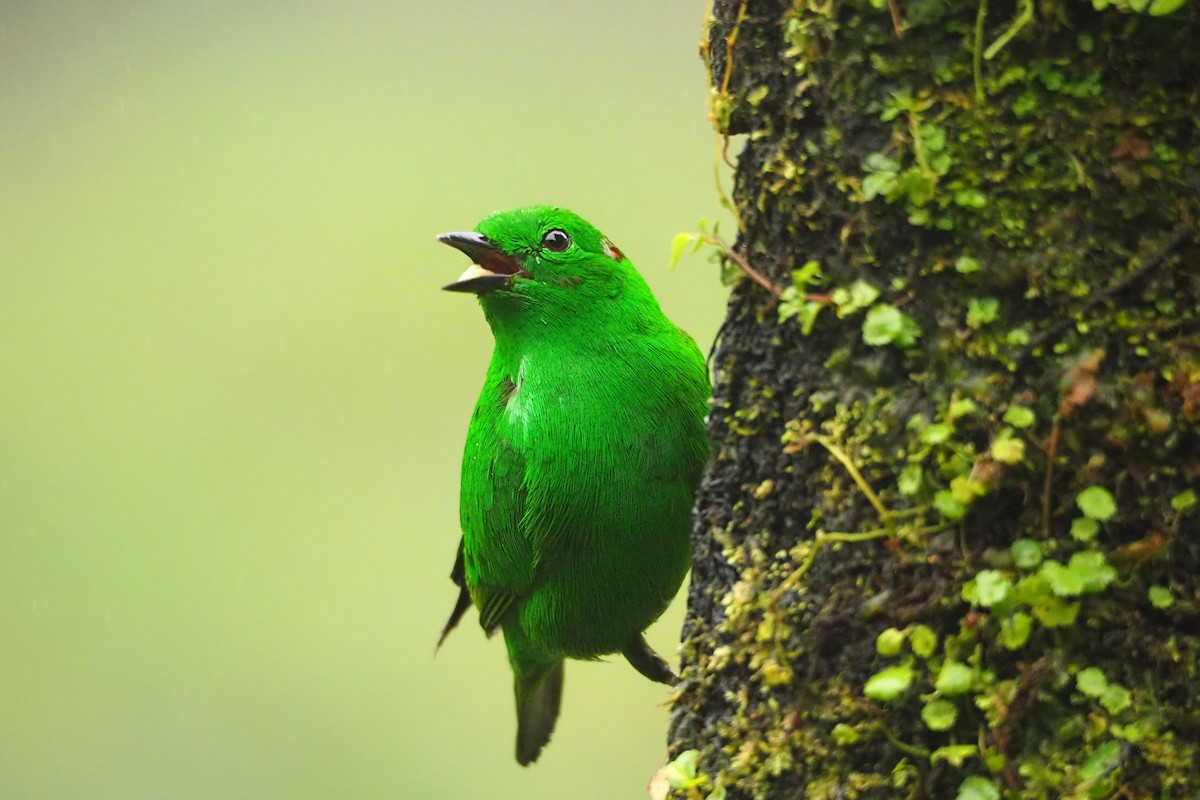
[(963, 461)]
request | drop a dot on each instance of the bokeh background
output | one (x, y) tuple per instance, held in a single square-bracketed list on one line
[(232, 396)]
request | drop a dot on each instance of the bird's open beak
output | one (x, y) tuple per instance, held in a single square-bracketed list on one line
[(491, 269)]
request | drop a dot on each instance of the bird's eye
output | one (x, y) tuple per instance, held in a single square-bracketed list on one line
[(556, 240)]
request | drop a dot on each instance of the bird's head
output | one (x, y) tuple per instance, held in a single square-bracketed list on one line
[(544, 258)]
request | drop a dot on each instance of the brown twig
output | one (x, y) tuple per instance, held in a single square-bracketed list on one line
[(1047, 484), (897, 23), (754, 274)]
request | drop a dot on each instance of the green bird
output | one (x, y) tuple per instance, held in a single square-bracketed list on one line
[(582, 456)]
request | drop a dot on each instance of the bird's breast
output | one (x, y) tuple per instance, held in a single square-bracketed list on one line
[(515, 401)]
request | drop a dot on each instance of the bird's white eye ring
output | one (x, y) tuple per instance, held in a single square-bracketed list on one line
[(556, 240)]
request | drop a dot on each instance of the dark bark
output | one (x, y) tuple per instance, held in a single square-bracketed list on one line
[(1035, 217)]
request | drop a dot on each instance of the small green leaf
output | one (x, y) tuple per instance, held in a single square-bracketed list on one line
[(1160, 596), (793, 304), (1018, 337), (937, 433), (678, 244), (844, 734), (1084, 529), (992, 587), (962, 407), (878, 184), (1026, 553), (1184, 501), (910, 480), (965, 490), (915, 185), (946, 505), (1091, 682), (878, 162), (910, 331), (1132, 733), (1094, 572), (1015, 630), (681, 773), (954, 679), (889, 683), (808, 316), (1101, 764), (923, 641), (1055, 613), (939, 715), (1096, 503), (1033, 589), (889, 642), (886, 324), (810, 272), (954, 754), (860, 295), (1115, 699), (1019, 416), (1008, 451), (1063, 582), (966, 265), (981, 311), (882, 325), (977, 787), (970, 198), (1160, 8), (933, 137)]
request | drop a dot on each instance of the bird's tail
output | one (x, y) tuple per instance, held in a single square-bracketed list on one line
[(539, 695)]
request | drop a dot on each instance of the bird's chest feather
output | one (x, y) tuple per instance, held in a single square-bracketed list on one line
[(565, 410), (553, 431)]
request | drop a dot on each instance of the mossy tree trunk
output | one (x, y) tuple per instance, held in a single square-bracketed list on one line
[(949, 538)]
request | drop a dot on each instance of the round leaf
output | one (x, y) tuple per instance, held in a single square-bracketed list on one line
[(889, 642), (939, 715), (1084, 528), (923, 641), (1026, 553), (992, 587), (1161, 597), (1096, 503), (1091, 681), (954, 679), (882, 325), (1018, 416), (888, 684), (977, 787), (1008, 451)]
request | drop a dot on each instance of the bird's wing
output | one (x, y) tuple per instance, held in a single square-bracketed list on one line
[(499, 559), (464, 597)]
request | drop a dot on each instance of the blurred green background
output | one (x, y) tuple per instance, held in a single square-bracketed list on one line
[(232, 396)]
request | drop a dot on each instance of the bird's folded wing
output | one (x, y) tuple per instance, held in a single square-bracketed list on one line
[(499, 558), (464, 597)]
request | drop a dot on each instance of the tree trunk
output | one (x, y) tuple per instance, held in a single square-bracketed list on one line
[(948, 543)]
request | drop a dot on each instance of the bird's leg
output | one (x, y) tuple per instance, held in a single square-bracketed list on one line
[(648, 662)]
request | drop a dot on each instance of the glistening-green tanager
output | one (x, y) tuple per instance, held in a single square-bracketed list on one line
[(582, 456)]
